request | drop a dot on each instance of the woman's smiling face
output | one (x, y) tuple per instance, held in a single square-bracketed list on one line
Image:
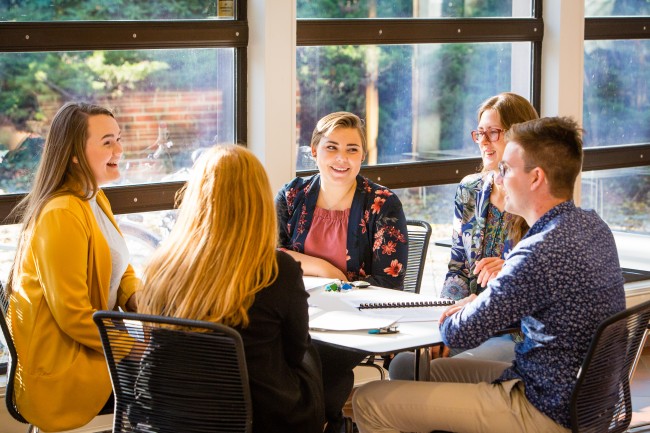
[(491, 152), (103, 148), (339, 155)]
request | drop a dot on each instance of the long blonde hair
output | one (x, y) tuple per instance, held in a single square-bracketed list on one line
[(57, 174), (221, 251)]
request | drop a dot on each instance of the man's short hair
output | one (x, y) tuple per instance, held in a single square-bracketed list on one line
[(555, 145)]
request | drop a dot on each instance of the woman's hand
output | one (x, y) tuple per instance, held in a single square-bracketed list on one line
[(459, 305), (487, 269), (317, 267)]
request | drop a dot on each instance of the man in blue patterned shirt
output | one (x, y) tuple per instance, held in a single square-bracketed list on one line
[(560, 282)]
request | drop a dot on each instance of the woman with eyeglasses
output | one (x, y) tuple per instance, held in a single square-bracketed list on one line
[(483, 232)]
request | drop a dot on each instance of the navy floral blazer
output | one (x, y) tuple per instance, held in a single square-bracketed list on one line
[(377, 244)]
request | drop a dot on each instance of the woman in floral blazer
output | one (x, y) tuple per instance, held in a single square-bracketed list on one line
[(338, 224), (377, 245)]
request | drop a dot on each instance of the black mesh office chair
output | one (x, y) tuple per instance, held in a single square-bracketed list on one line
[(419, 233), (171, 375), (601, 400), (13, 362)]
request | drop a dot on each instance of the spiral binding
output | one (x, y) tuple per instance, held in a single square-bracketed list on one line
[(440, 303)]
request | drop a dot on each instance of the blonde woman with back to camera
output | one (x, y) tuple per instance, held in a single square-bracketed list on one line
[(220, 264), (71, 261)]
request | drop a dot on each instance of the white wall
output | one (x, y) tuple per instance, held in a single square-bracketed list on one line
[(272, 86)]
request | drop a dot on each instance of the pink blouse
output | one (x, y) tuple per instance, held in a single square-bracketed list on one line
[(328, 236)]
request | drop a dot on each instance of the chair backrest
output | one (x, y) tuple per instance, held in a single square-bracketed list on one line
[(601, 400), (172, 375), (419, 233), (13, 358)]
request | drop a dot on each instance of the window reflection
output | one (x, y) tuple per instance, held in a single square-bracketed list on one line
[(170, 104), (621, 197), (106, 10), (412, 9), (616, 102), (419, 101), (435, 205)]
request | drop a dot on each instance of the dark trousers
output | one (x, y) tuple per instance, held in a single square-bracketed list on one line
[(338, 378)]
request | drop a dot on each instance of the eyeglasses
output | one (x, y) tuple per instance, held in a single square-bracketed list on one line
[(504, 168), (491, 135)]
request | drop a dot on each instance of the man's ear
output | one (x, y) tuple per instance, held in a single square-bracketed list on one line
[(538, 178)]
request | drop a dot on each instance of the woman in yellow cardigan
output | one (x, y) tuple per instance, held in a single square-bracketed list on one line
[(71, 261)]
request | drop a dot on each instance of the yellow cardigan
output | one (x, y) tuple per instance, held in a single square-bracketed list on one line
[(62, 379)]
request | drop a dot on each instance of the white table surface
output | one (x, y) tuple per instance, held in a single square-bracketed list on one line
[(411, 335)]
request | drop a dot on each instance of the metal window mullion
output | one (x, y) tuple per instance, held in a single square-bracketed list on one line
[(114, 35), (617, 28), (317, 32)]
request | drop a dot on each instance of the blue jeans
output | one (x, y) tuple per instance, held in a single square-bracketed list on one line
[(500, 348)]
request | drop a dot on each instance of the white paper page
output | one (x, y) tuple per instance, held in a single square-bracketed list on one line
[(313, 283), (351, 321), (418, 314)]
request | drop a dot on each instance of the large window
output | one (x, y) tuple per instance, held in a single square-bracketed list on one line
[(616, 120), (416, 71), (172, 72)]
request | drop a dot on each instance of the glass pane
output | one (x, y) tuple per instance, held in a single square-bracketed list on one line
[(435, 205), (616, 102), (170, 104), (8, 241), (109, 10), (411, 8), (622, 198), (607, 8), (422, 99), (143, 232)]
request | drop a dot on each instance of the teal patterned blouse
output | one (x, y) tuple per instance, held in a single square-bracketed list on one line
[(478, 231)]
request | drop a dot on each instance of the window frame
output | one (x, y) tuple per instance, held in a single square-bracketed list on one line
[(47, 36), (373, 31)]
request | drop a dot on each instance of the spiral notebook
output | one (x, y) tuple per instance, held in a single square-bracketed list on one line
[(413, 304), (408, 311)]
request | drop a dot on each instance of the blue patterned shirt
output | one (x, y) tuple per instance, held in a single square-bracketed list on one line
[(561, 281)]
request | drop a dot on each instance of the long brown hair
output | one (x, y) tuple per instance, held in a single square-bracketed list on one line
[(57, 174), (512, 109), (221, 251)]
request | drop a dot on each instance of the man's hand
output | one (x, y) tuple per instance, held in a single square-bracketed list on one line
[(487, 268), (459, 305)]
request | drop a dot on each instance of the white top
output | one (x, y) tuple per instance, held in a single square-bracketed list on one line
[(117, 246)]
